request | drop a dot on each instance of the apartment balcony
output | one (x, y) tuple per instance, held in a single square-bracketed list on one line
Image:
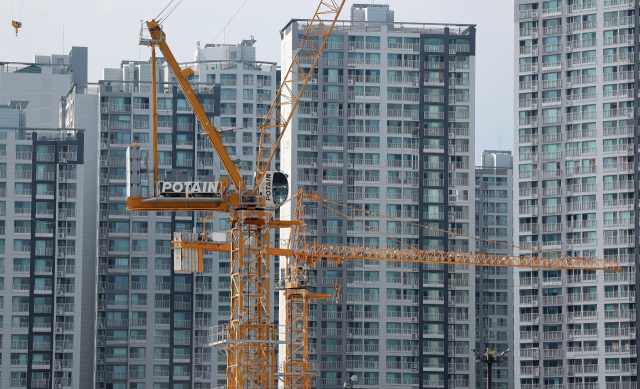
[(525, 85), (622, 58)]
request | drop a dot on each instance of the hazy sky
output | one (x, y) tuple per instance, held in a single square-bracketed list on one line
[(110, 28)]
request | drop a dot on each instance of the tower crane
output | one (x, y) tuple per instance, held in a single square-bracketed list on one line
[(250, 337)]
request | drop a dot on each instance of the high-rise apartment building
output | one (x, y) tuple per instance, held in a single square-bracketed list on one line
[(153, 323), (574, 192), (386, 125), (494, 297), (47, 196)]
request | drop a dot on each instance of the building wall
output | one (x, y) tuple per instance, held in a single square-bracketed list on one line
[(341, 144), (574, 327)]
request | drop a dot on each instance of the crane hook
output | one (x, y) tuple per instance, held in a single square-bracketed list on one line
[(337, 288), (16, 25)]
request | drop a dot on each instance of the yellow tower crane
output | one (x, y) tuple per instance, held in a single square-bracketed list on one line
[(250, 337)]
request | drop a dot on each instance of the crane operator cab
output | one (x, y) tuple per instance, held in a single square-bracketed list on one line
[(275, 188)]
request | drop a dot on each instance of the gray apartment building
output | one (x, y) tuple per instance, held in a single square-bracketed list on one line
[(386, 125), (574, 192), (494, 297), (153, 323), (46, 179)]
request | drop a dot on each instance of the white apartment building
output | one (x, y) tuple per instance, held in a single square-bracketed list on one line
[(575, 191), (386, 125), (47, 191)]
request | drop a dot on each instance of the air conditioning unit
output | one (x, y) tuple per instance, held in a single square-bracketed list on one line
[(414, 369), (60, 311), (60, 274), (314, 113), (534, 14), (259, 84), (534, 68), (59, 329), (61, 235), (313, 164), (568, 84), (59, 293), (199, 309), (630, 115), (200, 163), (534, 87), (350, 82), (314, 80), (349, 166), (452, 320), (352, 48), (314, 131), (452, 51), (414, 353), (534, 52), (452, 337), (631, 42), (414, 319), (534, 104), (62, 179), (568, 246), (313, 148), (569, 48), (101, 289), (349, 335), (63, 160), (100, 325), (452, 135), (632, 5), (198, 360), (414, 336), (568, 102), (103, 163), (452, 302), (58, 348), (452, 370), (58, 365), (103, 145)]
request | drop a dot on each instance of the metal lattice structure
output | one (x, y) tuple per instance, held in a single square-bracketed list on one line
[(302, 66), (250, 338)]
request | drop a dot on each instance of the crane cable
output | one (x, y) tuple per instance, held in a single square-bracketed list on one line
[(369, 227), (319, 200)]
